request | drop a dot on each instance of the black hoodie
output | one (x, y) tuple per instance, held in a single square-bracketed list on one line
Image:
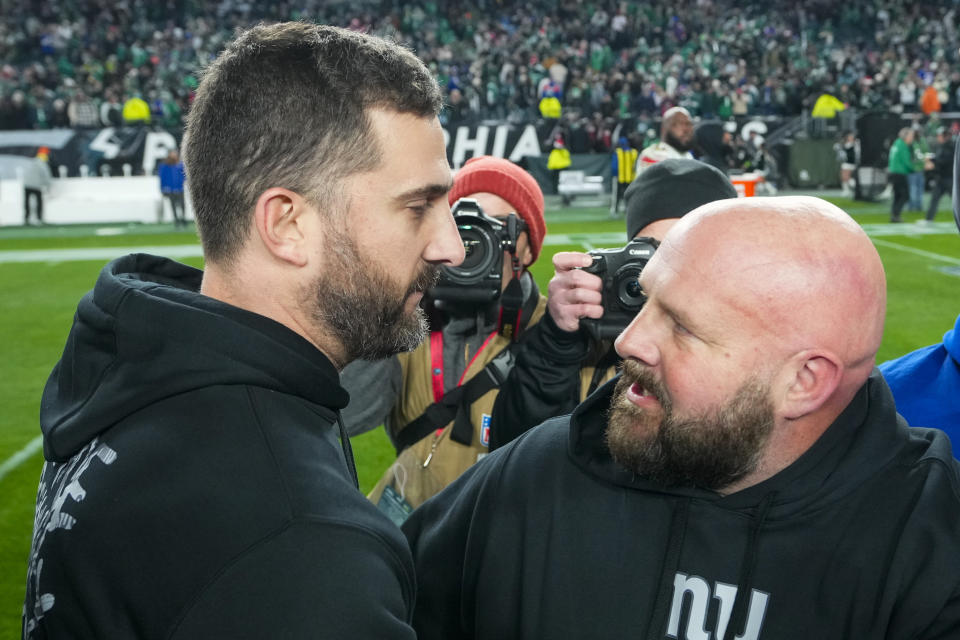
[(194, 484), (549, 538), (708, 137)]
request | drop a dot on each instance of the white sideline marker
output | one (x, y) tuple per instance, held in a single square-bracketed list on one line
[(21, 456), (915, 251)]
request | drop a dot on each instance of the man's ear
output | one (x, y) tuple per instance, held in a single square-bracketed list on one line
[(526, 254), (282, 222), (812, 378)]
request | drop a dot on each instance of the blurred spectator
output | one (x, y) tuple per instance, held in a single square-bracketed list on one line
[(908, 94), (57, 118), (848, 153), (676, 139), (716, 58), (918, 151), (623, 171), (111, 111), (136, 110), (713, 144), (930, 102), (83, 113), (942, 169), (826, 108), (559, 158), (36, 181), (172, 178), (899, 167), (17, 113)]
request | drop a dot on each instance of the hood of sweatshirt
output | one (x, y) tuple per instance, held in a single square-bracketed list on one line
[(145, 333)]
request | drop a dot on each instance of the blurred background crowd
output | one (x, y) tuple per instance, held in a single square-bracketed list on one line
[(95, 63)]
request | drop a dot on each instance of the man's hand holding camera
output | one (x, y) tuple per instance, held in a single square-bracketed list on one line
[(600, 287), (573, 293)]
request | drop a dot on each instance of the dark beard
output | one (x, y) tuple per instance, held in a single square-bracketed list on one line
[(358, 304), (677, 143), (711, 450)]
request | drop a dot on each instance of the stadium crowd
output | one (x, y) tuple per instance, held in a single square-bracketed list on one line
[(92, 63), (744, 466)]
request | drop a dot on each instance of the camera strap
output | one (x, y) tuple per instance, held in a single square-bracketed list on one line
[(455, 404), (509, 324), (610, 358)]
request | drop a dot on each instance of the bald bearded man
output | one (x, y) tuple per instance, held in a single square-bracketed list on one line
[(746, 476), (676, 139)]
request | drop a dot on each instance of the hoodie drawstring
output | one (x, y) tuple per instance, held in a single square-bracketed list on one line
[(671, 560), (745, 583), (348, 451)]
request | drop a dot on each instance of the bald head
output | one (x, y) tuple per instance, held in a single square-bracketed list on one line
[(796, 269), (674, 113), (677, 128), (762, 321)]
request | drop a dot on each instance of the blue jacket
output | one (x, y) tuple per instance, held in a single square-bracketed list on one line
[(926, 385), (171, 177)]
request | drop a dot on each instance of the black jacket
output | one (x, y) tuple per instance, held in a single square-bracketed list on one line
[(194, 485), (544, 382), (549, 538), (943, 164), (710, 147)]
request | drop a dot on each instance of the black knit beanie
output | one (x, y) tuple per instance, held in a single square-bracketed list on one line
[(671, 189)]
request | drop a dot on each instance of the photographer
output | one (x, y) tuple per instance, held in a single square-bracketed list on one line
[(560, 364), (942, 166), (436, 414)]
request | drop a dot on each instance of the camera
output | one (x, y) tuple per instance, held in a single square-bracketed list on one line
[(477, 281), (622, 296)]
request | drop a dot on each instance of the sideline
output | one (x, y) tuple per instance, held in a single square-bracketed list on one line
[(99, 253), (586, 240), (21, 456)]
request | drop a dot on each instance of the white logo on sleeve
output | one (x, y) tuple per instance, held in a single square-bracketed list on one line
[(52, 514)]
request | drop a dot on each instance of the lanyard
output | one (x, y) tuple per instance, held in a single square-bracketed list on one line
[(436, 360)]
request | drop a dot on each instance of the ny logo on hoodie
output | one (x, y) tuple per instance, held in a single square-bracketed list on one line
[(700, 599)]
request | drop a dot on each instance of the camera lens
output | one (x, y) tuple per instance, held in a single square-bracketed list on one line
[(630, 296), (473, 249), (481, 249)]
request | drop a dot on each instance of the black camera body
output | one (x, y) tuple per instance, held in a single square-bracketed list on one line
[(622, 296), (477, 281)]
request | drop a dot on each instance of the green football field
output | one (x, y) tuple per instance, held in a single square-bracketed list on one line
[(45, 271)]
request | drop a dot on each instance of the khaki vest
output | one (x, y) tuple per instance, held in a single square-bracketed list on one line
[(586, 377), (424, 468)]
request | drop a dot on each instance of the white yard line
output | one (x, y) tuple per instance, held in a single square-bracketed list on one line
[(915, 251), (605, 239), (587, 240), (21, 456), (99, 253)]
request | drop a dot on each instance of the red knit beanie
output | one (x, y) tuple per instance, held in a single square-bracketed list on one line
[(488, 174)]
